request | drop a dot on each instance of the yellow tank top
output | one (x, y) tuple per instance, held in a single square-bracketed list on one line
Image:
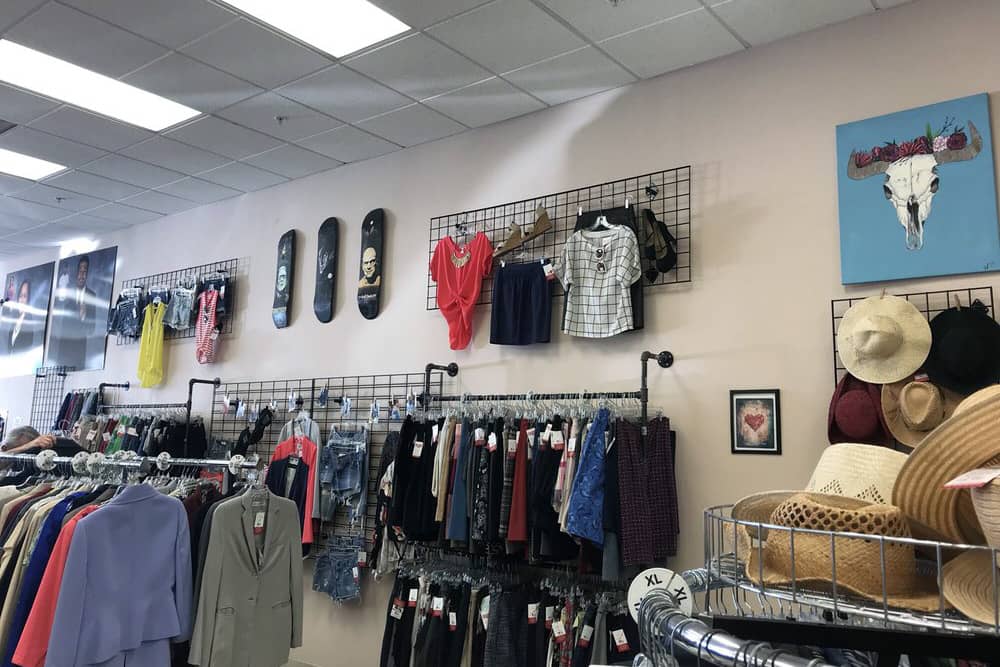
[(151, 346)]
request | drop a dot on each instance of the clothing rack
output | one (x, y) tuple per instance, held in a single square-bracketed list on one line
[(140, 461)]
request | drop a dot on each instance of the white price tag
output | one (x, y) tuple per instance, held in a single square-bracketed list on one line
[(437, 606), (974, 479), (621, 641), (412, 599), (512, 448), (547, 433), (357, 575), (397, 612), (533, 613), (362, 558), (549, 615), (585, 635), (418, 448), (557, 439), (480, 437), (571, 447), (258, 520), (550, 271), (492, 446), (91, 436), (434, 433), (452, 621), (558, 630)]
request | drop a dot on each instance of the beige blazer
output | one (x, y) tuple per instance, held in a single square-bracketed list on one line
[(250, 608)]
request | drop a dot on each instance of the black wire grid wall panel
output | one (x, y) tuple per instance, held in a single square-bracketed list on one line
[(361, 389), (928, 303), (171, 279), (671, 203), (47, 396)]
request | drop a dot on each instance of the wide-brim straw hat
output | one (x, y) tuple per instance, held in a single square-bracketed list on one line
[(864, 472), (913, 408), (969, 579), (977, 398), (883, 339), (969, 440), (859, 561)]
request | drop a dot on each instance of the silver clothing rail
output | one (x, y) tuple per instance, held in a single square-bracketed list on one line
[(153, 463), (665, 630)]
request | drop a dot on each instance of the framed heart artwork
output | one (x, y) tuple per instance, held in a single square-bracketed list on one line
[(755, 421)]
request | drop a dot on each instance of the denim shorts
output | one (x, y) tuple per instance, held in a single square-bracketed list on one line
[(126, 317), (179, 309), (336, 572), (343, 466)]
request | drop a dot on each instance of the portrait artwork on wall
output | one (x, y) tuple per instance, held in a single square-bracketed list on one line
[(917, 193), (755, 421), (23, 319), (80, 310)]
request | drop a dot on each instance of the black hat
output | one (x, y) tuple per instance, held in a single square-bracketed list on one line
[(965, 349)]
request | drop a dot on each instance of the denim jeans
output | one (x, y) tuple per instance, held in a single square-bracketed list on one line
[(336, 572), (343, 473)]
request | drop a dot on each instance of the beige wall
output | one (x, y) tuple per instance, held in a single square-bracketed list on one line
[(758, 128)]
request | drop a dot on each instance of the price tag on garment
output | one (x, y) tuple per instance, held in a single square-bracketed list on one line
[(106, 437), (531, 435), (484, 612), (131, 431), (621, 641), (215, 334), (357, 575), (418, 447), (558, 630), (91, 436), (547, 434), (492, 446), (571, 448), (532, 613), (549, 269), (557, 440), (549, 615), (480, 437), (434, 433), (362, 558), (452, 621), (437, 607), (585, 636), (258, 523), (397, 610), (412, 599), (974, 479), (512, 448)]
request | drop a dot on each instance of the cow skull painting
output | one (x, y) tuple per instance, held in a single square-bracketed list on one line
[(911, 173)]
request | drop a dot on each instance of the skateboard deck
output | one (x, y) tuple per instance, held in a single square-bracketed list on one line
[(326, 270), (284, 280), (370, 276)]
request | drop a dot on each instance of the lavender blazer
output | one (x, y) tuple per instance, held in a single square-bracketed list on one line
[(126, 590)]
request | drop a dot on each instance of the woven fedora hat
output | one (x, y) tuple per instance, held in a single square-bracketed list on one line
[(977, 398), (883, 339), (965, 354), (915, 407), (970, 439), (858, 560), (969, 578), (863, 472), (856, 413)]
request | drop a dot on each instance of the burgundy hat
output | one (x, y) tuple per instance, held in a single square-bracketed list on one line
[(856, 414)]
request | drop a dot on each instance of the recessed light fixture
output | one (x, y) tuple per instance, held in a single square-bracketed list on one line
[(338, 27), (25, 166), (58, 79)]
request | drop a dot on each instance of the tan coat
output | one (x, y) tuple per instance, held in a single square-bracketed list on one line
[(250, 609)]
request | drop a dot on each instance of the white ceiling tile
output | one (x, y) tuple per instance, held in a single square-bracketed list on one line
[(599, 20), (763, 21), (484, 103), (886, 4), (412, 125), (190, 82), (11, 184), (261, 113), (48, 147), (71, 35), (96, 186), (344, 94), (159, 202), (87, 128), (348, 144), (64, 199), (663, 47), (256, 54), (425, 12), (292, 161), (507, 34), (174, 155), (83, 224), (419, 67), (10, 223), (224, 138), (243, 177), (30, 210), (12, 11), (18, 106), (199, 191), (169, 22), (127, 170), (42, 236), (571, 76), (128, 215)]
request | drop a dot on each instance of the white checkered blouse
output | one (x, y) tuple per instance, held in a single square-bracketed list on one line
[(596, 269)]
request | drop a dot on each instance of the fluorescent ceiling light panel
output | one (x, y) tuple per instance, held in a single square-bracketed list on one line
[(26, 166), (58, 79), (338, 27)]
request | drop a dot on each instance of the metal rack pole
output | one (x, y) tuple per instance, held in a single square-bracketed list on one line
[(113, 385), (451, 369), (665, 359), (138, 461), (215, 382)]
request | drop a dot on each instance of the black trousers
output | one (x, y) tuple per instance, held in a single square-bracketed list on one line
[(398, 632)]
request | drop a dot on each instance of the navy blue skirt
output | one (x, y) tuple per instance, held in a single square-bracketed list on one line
[(522, 305)]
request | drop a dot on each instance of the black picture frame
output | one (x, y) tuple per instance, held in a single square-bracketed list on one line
[(749, 411)]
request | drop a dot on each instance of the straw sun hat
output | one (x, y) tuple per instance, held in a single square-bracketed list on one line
[(914, 407), (969, 578), (969, 440), (883, 339), (858, 560)]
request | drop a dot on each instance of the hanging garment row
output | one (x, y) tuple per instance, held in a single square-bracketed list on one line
[(145, 431), (75, 404), (549, 483), (96, 572), (450, 617)]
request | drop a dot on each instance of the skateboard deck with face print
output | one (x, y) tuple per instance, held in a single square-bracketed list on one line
[(326, 270), (370, 275), (284, 280)]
